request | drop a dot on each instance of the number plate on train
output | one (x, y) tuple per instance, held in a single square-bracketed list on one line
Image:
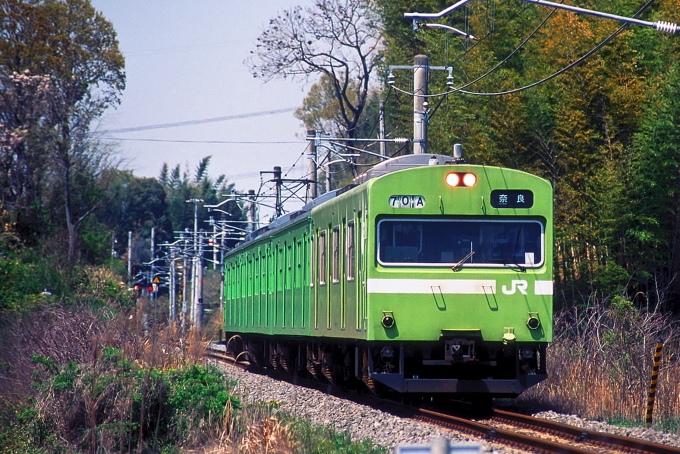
[(407, 201)]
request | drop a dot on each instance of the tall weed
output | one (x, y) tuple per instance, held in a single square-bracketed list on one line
[(600, 362)]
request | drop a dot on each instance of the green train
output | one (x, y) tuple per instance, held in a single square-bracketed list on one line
[(426, 276)]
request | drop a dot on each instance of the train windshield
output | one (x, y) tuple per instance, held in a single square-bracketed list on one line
[(455, 242)]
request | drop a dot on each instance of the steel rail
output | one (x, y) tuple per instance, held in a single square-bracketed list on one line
[(626, 443), (499, 435)]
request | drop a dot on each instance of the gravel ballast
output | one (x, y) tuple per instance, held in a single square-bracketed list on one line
[(385, 429)]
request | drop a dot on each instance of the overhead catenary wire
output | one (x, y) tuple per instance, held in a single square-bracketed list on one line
[(566, 68), (217, 142), (539, 82), (498, 65), (199, 122)]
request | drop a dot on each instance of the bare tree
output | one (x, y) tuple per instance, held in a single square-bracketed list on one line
[(337, 39)]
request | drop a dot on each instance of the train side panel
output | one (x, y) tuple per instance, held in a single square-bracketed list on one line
[(267, 284), (338, 277)]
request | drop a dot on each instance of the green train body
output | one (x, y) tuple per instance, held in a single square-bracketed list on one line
[(403, 282)]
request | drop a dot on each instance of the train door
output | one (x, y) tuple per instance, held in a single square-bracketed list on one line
[(249, 290), (342, 258), (334, 302), (226, 303), (350, 272), (362, 264), (303, 287), (263, 287), (256, 287), (278, 311), (298, 261), (239, 291), (288, 291), (322, 292), (270, 285), (313, 284)]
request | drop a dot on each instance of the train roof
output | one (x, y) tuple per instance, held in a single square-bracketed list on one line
[(380, 169)]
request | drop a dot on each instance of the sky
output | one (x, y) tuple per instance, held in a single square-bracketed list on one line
[(185, 63)]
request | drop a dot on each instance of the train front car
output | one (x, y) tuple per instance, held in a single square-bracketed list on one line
[(458, 278)]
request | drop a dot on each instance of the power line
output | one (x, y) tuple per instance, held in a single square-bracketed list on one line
[(198, 122), (235, 142)]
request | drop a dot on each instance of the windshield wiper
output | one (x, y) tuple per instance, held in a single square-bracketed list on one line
[(506, 262), (523, 269), (459, 264)]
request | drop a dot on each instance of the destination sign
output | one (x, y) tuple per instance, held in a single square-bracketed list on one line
[(512, 198)]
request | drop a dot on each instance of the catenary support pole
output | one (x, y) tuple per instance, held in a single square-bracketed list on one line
[(383, 144), (311, 156), (130, 256), (252, 216), (184, 291), (420, 87), (278, 183)]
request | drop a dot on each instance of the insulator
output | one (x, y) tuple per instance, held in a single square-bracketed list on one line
[(666, 27), (400, 140)]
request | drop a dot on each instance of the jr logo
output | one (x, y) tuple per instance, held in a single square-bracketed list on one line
[(519, 284)]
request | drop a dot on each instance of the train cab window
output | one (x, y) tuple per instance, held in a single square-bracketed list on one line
[(335, 265), (322, 258), (351, 252), (486, 243)]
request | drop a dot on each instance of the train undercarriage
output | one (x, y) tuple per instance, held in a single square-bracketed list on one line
[(453, 367)]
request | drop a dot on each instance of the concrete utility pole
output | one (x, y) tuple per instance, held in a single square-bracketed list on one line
[(197, 263), (278, 183), (130, 256), (312, 171), (328, 170), (214, 240), (420, 87), (184, 292), (383, 144), (252, 216), (198, 300)]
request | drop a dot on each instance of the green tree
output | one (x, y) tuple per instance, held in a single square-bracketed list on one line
[(601, 132), (72, 45), (180, 188)]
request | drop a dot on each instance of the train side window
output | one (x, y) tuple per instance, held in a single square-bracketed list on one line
[(351, 251), (335, 266), (322, 258)]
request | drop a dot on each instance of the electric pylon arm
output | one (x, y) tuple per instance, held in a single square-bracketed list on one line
[(662, 26), (417, 16)]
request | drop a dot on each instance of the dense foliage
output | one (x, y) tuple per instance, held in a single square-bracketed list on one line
[(604, 132)]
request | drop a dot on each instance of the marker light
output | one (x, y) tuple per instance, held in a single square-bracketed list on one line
[(469, 179), (388, 321), (452, 179), (533, 322)]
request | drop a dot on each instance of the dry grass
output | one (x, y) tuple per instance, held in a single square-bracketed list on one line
[(600, 366), (100, 388)]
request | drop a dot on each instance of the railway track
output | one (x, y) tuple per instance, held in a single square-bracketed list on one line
[(525, 432), (518, 431)]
